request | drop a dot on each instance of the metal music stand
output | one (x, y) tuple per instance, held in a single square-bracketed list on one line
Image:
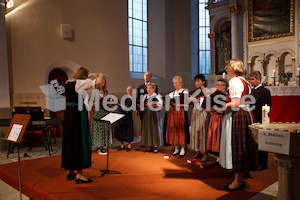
[(109, 118), (14, 134)]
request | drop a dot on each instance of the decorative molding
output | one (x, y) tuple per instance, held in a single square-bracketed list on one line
[(213, 36), (256, 54), (235, 9), (266, 43), (210, 2), (287, 50), (271, 52)]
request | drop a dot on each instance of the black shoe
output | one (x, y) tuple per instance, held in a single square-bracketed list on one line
[(128, 149), (215, 163), (71, 176), (149, 150), (120, 149), (155, 151), (247, 175), (78, 180), (175, 154), (240, 188), (260, 168)]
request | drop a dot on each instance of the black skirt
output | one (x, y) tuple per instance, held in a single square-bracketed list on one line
[(124, 128), (76, 147)]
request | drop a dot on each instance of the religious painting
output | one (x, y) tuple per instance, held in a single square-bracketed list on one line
[(269, 19)]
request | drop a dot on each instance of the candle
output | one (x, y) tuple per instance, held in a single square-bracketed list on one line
[(265, 114), (274, 72), (224, 74)]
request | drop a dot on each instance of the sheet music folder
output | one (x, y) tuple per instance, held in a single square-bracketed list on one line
[(17, 128), (112, 117)]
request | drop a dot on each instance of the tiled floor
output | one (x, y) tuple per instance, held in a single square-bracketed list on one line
[(9, 193)]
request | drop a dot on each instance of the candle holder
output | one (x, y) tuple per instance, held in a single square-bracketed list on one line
[(274, 80), (298, 77)]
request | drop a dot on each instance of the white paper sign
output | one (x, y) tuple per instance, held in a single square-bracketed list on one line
[(15, 132), (112, 117), (274, 141)]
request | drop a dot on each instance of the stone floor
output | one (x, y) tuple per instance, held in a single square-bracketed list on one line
[(9, 193)]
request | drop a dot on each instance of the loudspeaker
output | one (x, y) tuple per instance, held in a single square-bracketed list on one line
[(66, 31)]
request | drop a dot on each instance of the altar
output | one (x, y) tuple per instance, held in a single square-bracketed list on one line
[(285, 103), (288, 162)]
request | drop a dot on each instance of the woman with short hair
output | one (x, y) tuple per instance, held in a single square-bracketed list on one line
[(152, 132), (178, 126)]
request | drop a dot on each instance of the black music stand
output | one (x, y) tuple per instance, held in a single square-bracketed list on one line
[(14, 134), (109, 118)]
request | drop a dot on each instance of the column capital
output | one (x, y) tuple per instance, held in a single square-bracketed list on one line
[(213, 36), (235, 9), (210, 2)]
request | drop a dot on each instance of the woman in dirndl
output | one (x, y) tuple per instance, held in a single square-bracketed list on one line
[(152, 130), (244, 147), (124, 126), (101, 130), (216, 120), (198, 119), (178, 126), (76, 146)]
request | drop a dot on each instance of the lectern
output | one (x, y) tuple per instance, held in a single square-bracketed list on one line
[(14, 134)]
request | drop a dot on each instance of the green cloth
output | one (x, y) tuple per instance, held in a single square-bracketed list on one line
[(72, 104), (86, 138)]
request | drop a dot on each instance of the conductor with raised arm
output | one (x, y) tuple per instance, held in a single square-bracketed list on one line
[(76, 147)]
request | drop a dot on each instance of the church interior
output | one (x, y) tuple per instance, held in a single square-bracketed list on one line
[(46, 40)]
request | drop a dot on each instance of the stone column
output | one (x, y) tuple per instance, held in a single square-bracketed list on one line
[(288, 176), (213, 37), (4, 80), (236, 31)]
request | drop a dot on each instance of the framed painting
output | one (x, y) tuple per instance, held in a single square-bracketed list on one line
[(268, 19)]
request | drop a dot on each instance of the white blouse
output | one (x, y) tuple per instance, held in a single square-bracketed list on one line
[(176, 93), (158, 97), (84, 84), (236, 87)]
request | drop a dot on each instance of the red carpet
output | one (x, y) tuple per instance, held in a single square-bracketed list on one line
[(144, 176)]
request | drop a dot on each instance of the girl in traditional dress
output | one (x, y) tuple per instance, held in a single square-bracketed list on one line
[(244, 147), (152, 130), (216, 120), (101, 130), (198, 119), (124, 126), (76, 147), (178, 126)]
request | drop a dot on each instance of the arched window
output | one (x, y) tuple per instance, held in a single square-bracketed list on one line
[(138, 35), (204, 42)]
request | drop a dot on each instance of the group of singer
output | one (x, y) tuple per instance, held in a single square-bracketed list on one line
[(223, 133)]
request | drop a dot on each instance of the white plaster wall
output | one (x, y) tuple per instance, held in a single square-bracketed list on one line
[(99, 43)]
